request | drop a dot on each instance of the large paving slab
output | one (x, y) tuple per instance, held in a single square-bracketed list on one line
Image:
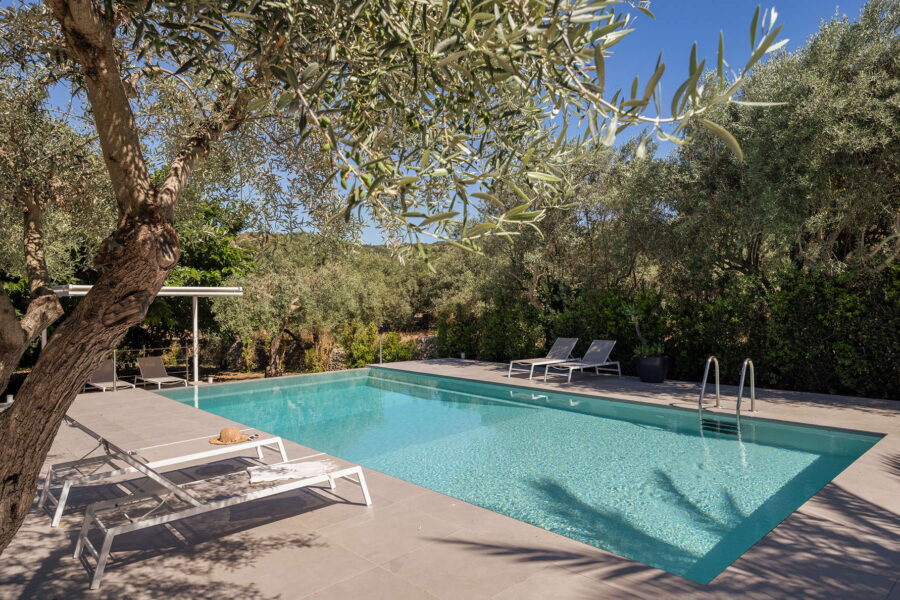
[(416, 543)]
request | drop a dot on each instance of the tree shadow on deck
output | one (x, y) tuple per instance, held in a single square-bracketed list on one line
[(806, 556), (39, 565)]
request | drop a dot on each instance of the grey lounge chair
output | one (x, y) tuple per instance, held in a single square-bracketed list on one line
[(104, 378), (154, 371), (596, 357), (560, 352)]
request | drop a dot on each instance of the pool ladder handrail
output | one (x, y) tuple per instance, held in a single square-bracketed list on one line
[(747, 362), (714, 360)]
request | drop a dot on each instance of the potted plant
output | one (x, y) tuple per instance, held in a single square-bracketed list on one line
[(650, 361), (651, 364)]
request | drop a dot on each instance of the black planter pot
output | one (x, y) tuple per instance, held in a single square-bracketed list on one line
[(652, 369)]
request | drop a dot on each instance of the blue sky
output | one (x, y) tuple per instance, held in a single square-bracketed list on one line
[(680, 24)]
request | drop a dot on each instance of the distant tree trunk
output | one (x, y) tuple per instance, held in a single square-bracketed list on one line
[(275, 368)]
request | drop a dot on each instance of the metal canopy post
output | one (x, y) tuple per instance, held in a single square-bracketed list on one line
[(196, 343)]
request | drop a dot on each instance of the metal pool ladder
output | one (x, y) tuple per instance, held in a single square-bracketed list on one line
[(715, 361), (747, 363)]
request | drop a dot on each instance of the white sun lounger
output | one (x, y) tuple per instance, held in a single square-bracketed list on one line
[(115, 462), (154, 371), (104, 378), (174, 502), (560, 352), (596, 357)]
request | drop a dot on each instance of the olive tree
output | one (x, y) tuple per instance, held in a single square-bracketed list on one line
[(50, 202), (404, 93), (303, 285)]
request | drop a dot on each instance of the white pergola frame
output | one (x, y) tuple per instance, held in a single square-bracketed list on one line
[(68, 291)]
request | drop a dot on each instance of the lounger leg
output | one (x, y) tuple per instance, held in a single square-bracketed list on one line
[(510, 370), (259, 453), (45, 491), (531, 372), (570, 375), (331, 483), (365, 488), (85, 527), (61, 505), (281, 449), (547, 368), (102, 557)]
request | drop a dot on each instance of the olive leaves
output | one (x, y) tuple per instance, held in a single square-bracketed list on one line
[(430, 107)]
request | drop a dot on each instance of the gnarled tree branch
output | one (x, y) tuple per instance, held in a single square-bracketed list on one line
[(44, 307), (91, 38), (197, 147)]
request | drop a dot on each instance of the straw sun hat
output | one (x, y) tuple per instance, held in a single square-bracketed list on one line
[(229, 435)]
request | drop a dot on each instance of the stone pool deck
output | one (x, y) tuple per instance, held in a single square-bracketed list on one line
[(416, 543)]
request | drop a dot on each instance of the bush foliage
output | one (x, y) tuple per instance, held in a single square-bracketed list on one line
[(812, 332), (360, 343)]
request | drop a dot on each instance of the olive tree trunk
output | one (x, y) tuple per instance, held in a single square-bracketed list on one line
[(100, 320), (275, 368), (44, 308), (134, 261)]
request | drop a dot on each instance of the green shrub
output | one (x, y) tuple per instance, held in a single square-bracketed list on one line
[(457, 332), (312, 361), (836, 334), (813, 332), (360, 344), (248, 355), (393, 349)]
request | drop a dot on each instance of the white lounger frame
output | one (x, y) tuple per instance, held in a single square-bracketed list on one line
[(113, 455), (596, 357), (531, 363), (161, 381), (92, 515), (611, 366), (109, 385)]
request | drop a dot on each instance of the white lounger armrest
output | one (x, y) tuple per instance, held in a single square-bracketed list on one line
[(537, 361)]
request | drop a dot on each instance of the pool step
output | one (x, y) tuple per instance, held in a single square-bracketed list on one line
[(719, 426)]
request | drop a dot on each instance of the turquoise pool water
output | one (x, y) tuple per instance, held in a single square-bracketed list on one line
[(645, 482)]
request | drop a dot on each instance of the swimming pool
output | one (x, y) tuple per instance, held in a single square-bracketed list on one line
[(645, 482)]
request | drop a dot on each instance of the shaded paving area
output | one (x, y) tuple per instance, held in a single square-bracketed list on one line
[(416, 543)]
